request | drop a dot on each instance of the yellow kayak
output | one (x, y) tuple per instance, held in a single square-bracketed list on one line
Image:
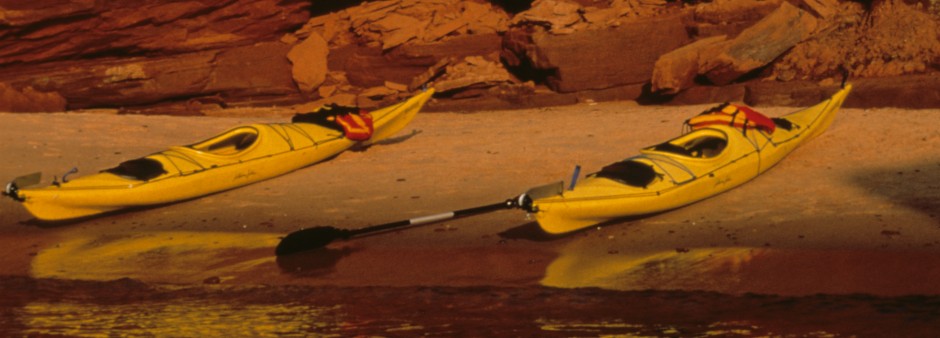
[(716, 155), (240, 156)]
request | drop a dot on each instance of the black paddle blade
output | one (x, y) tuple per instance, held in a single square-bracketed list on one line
[(309, 239)]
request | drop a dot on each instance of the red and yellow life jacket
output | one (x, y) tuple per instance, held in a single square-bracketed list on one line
[(356, 127), (741, 117), (356, 124)]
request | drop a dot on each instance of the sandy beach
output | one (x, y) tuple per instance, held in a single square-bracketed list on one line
[(856, 211)]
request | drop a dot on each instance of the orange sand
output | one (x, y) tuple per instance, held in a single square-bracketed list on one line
[(856, 210)]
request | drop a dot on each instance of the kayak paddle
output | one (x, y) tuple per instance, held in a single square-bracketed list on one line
[(318, 237), (13, 188)]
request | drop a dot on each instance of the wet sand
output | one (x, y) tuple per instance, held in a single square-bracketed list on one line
[(854, 212)]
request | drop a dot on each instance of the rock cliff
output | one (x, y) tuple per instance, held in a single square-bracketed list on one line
[(187, 57)]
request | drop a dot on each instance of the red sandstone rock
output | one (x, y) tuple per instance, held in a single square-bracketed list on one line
[(140, 53), (472, 71), (187, 54), (569, 16), (309, 59), (824, 9), (392, 23), (557, 15), (432, 72), (729, 17), (760, 44), (29, 100), (38, 31), (255, 75), (596, 59), (234, 75), (912, 91), (676, 70), (459, 46), (729, 11), (369, 66), (710, 94)]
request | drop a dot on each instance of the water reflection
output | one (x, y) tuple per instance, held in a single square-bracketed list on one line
[(177, 318), (51, 307), (313, 263), (166, 256), (620, 328), (737, 270)]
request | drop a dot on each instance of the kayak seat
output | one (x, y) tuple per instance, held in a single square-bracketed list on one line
[(701, 147), (229, 143), (668, 147), (629, 172), (142, 169), (706, 147)]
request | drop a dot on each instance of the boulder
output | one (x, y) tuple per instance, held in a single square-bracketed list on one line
[(309, 60), (676, 70), (761, 43), (596, 59)]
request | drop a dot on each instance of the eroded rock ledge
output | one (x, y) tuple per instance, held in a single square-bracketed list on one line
[(188, 57)]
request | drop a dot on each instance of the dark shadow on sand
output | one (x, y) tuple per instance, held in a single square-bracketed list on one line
[(391, 140), (916, 185)]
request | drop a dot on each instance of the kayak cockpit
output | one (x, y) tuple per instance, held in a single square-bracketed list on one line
[(141, 169), (704, 143), (229, 143), (630, 172)]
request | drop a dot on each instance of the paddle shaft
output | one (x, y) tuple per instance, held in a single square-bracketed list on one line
[(432, 218), (318, 237)]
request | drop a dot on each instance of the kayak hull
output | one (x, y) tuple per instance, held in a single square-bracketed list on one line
[(680, 179), (235, 158)]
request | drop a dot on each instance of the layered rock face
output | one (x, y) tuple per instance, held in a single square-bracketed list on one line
[(186, 57), (137, 53)]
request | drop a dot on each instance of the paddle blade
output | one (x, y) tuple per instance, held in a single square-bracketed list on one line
[(28, 180), (548, 190), (12, 189), (309, 239)]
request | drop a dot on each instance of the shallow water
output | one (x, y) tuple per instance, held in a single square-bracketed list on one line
[(128, 307), (586, 290), (737, 270)]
